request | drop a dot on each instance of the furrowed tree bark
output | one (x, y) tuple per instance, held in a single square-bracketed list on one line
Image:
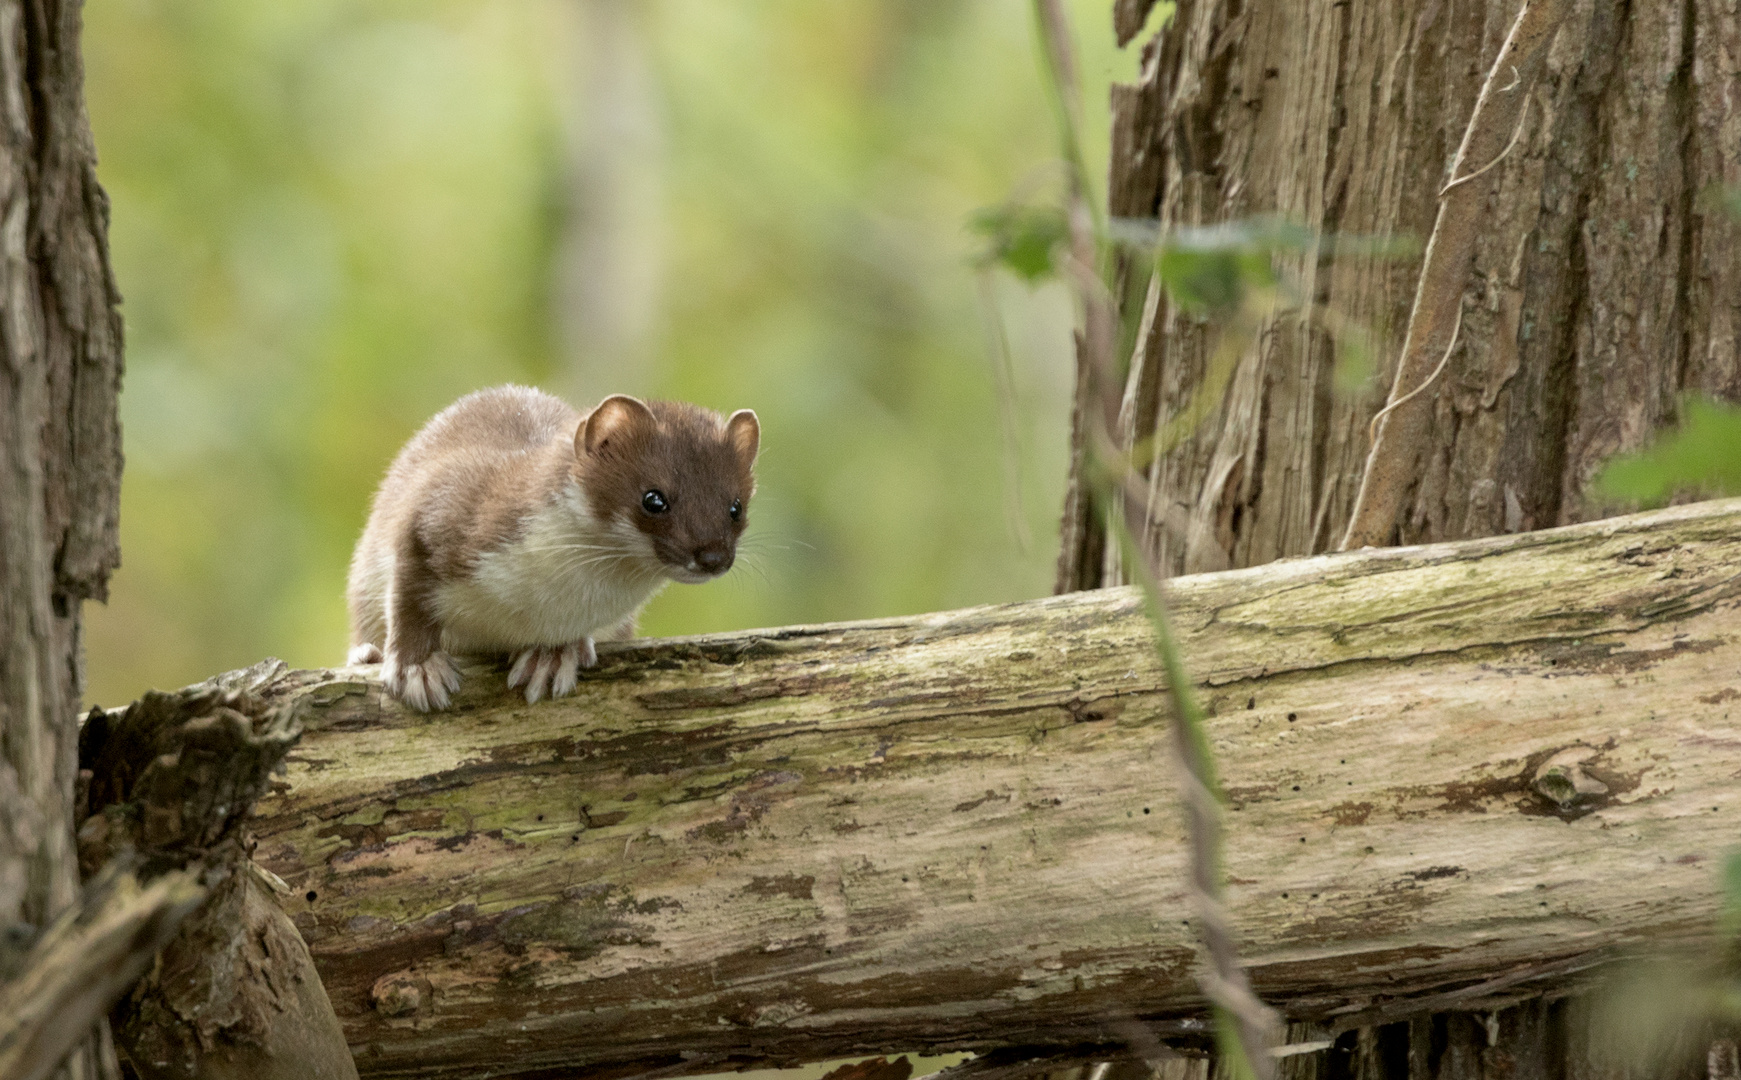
[(1605, 282), (1400, 433), (1455, 771), (60, 462)]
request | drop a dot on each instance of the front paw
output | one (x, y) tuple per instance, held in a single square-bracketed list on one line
[(551, 669), (428, 684)]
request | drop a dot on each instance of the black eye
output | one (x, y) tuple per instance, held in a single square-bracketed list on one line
[(737, 509), (654, 502)]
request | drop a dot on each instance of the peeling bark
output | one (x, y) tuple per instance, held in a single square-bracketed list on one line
[(959, 830)]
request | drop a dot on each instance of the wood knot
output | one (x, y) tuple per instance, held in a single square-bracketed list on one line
[(398, 994), (1562, 780)]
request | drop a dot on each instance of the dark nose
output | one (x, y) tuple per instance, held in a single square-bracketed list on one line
[(713, 559)]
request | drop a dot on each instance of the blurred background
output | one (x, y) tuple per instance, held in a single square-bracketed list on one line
[(333, 217)]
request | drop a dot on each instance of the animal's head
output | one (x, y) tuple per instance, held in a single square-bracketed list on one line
[(676, 475)]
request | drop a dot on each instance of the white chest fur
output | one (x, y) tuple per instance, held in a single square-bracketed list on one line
[(568, 576)]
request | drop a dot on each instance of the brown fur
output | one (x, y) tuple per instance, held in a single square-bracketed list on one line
[(468, 484), (676, 449), (460, 487)]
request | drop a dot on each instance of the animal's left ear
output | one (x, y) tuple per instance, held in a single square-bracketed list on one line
[(744, 432)]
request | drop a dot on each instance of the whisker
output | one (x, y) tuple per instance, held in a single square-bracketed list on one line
[(614, 548), (770, 545), (581, 561), (762, 539), (749, 562), (752, 580)]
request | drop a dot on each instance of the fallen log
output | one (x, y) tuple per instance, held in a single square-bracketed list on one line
[(1450, 769), (167, 785)]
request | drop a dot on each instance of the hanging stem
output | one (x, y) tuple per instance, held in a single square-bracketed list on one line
[(1246, 1029), (1401, 435)]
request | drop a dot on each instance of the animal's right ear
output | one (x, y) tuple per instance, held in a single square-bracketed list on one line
[(617, 419)]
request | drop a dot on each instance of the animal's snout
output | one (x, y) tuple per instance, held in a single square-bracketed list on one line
[(714, 558)]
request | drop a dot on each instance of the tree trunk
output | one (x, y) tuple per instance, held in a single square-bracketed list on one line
[(82, 963), (60, 459), (1605, 282), (960, 830), (61, 967)]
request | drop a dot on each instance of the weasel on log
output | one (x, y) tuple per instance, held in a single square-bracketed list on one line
[(513, 524)]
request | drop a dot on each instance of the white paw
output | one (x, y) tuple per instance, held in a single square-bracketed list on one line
[(551, 669), (425, 686), (364, 654)]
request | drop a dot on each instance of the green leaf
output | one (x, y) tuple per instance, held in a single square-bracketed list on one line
[(1022, 238), (1210, 268), (1213, 282), (1703, 454), (1255, 235)]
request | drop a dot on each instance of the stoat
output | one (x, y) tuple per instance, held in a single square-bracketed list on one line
[(513, 524)]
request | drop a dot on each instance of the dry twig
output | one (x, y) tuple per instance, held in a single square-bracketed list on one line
[(1372, 429)]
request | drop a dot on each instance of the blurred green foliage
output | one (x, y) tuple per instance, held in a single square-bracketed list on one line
[(1229, 273), (331, 219), (1731, 914), (1702, 455), (1022, 239)]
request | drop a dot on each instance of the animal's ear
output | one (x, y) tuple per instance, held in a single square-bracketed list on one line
[(617, 419), (744, 432)]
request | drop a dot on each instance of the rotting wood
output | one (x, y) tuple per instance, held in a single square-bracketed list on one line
[(170, 782), (234, 996), (956, 830), (81, 964)]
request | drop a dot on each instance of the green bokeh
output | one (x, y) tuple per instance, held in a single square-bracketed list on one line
[(1701, 457), (330, 219)]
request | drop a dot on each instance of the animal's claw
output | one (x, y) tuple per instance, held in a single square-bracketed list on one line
[(429, 684), (551, 670)]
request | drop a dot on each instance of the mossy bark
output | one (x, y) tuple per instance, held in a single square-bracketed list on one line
[(1476, 761)]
